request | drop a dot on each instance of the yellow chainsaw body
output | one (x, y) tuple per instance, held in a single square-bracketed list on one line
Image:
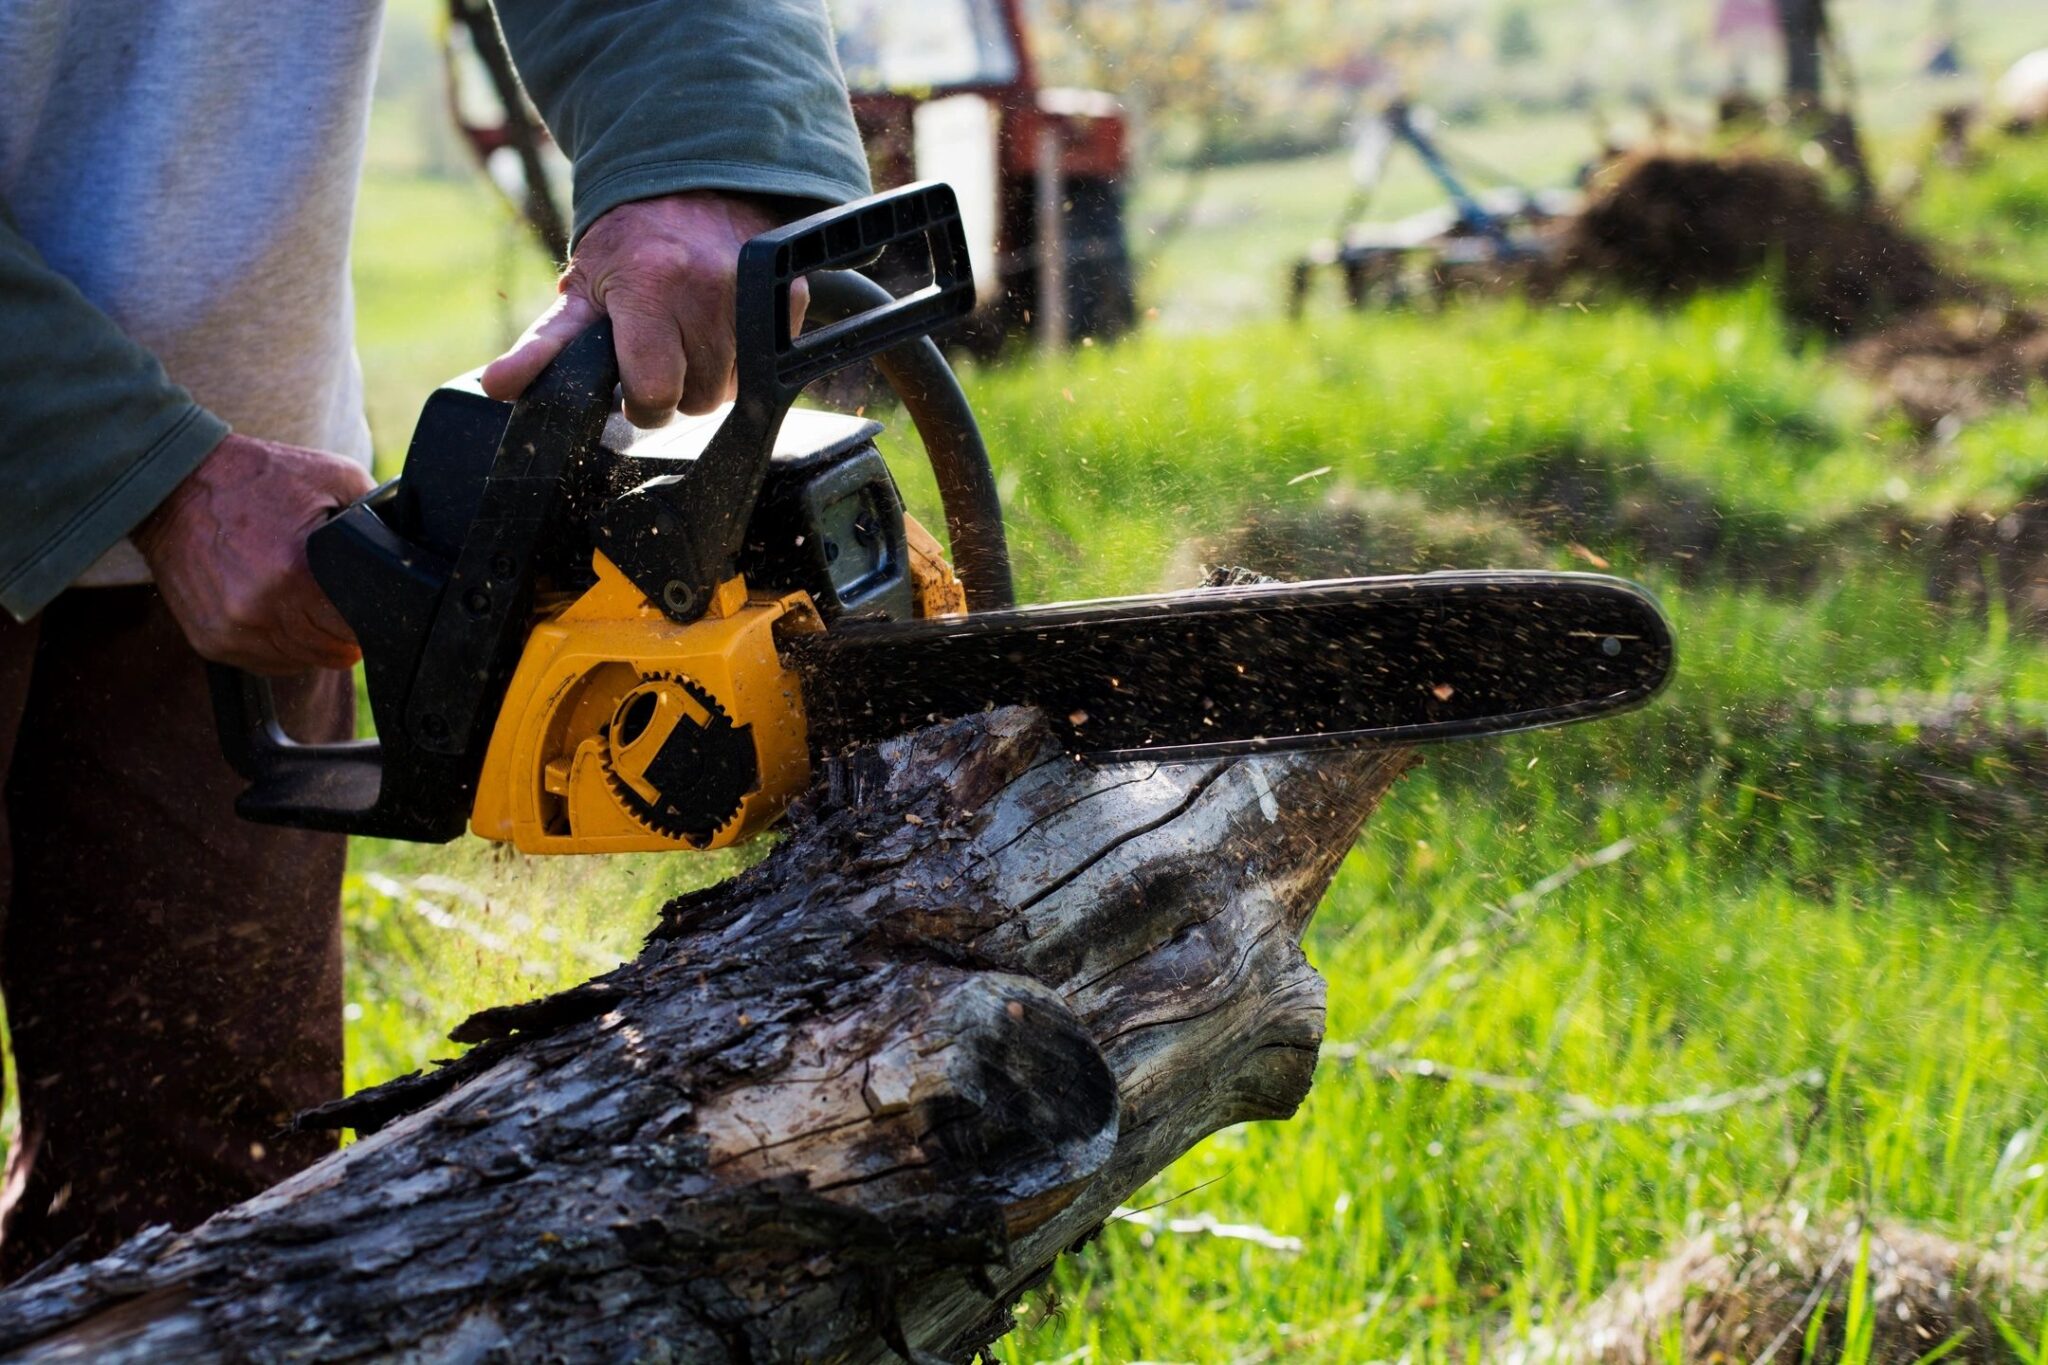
[(606, 682)]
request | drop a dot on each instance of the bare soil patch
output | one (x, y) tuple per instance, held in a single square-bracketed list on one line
[(1666, 226), (1955, 364)]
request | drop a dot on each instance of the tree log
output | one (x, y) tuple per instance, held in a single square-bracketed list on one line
[(847, 1106)]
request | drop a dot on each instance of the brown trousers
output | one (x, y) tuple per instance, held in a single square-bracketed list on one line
[(172, 974)]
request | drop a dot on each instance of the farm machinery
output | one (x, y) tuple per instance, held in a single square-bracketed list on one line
[(1476, 236)]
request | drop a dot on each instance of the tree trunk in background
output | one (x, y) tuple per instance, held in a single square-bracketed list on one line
[(1804, 24), (845, 1107)]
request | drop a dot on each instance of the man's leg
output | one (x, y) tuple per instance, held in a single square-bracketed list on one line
[(172, 973), (17, 666), (17, 657), (17, 660)]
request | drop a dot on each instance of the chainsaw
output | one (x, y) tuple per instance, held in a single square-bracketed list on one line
[(578, 637)]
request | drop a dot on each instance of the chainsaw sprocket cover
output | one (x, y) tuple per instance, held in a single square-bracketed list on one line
[(624, 732)]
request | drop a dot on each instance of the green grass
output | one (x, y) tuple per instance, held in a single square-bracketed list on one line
[(1111, 458), (1994, 212), (1770, 924), (451, 281), (1782, 912), (1125, 448), (1454, 1208)]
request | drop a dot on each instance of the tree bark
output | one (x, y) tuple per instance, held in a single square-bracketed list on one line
[(845, 1107)]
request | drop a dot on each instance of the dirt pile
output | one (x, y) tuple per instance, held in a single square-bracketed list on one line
[(1665, 226), (1955, 363), (1752, 1294)]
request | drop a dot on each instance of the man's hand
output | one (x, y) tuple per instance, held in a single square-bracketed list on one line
[(228, 549), (664, 270)]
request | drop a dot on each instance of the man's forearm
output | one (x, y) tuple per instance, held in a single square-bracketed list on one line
[(652, 99), (93, 435)]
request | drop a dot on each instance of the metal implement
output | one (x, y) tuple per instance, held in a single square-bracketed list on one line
[(1474, 230), (582, 638)]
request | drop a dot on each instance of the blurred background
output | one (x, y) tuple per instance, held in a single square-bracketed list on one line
[(1716, 1032)]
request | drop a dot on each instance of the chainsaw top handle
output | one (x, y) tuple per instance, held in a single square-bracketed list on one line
[(678, 537), (439, 661)]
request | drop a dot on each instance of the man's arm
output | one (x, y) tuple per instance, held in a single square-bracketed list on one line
[(93, 435), (96, 442), (692, 126), (653, 98)]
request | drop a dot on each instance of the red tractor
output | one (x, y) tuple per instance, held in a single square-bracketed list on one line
[(945, 90), (942, 90)]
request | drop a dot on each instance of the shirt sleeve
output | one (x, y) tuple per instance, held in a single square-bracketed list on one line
[(655, 98), (93, 434)]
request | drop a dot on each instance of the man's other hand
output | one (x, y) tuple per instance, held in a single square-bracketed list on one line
[(228, 550), (664, 270)]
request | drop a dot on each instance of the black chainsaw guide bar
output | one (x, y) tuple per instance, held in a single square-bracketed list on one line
[(1262, 668)]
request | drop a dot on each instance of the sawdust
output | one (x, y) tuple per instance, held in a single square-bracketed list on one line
[(1363, 531), (1955, 364), (1574, 510), (1749, 1294), (1666, 226), (1977, 557)]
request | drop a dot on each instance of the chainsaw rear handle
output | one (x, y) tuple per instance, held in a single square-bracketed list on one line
[(328, 787), (435, 684), (438, 665)]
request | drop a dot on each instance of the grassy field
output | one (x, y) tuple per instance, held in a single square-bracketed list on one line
[(1543, 948)]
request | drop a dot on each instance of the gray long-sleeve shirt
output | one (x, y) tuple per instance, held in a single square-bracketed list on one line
[(177, 184)]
